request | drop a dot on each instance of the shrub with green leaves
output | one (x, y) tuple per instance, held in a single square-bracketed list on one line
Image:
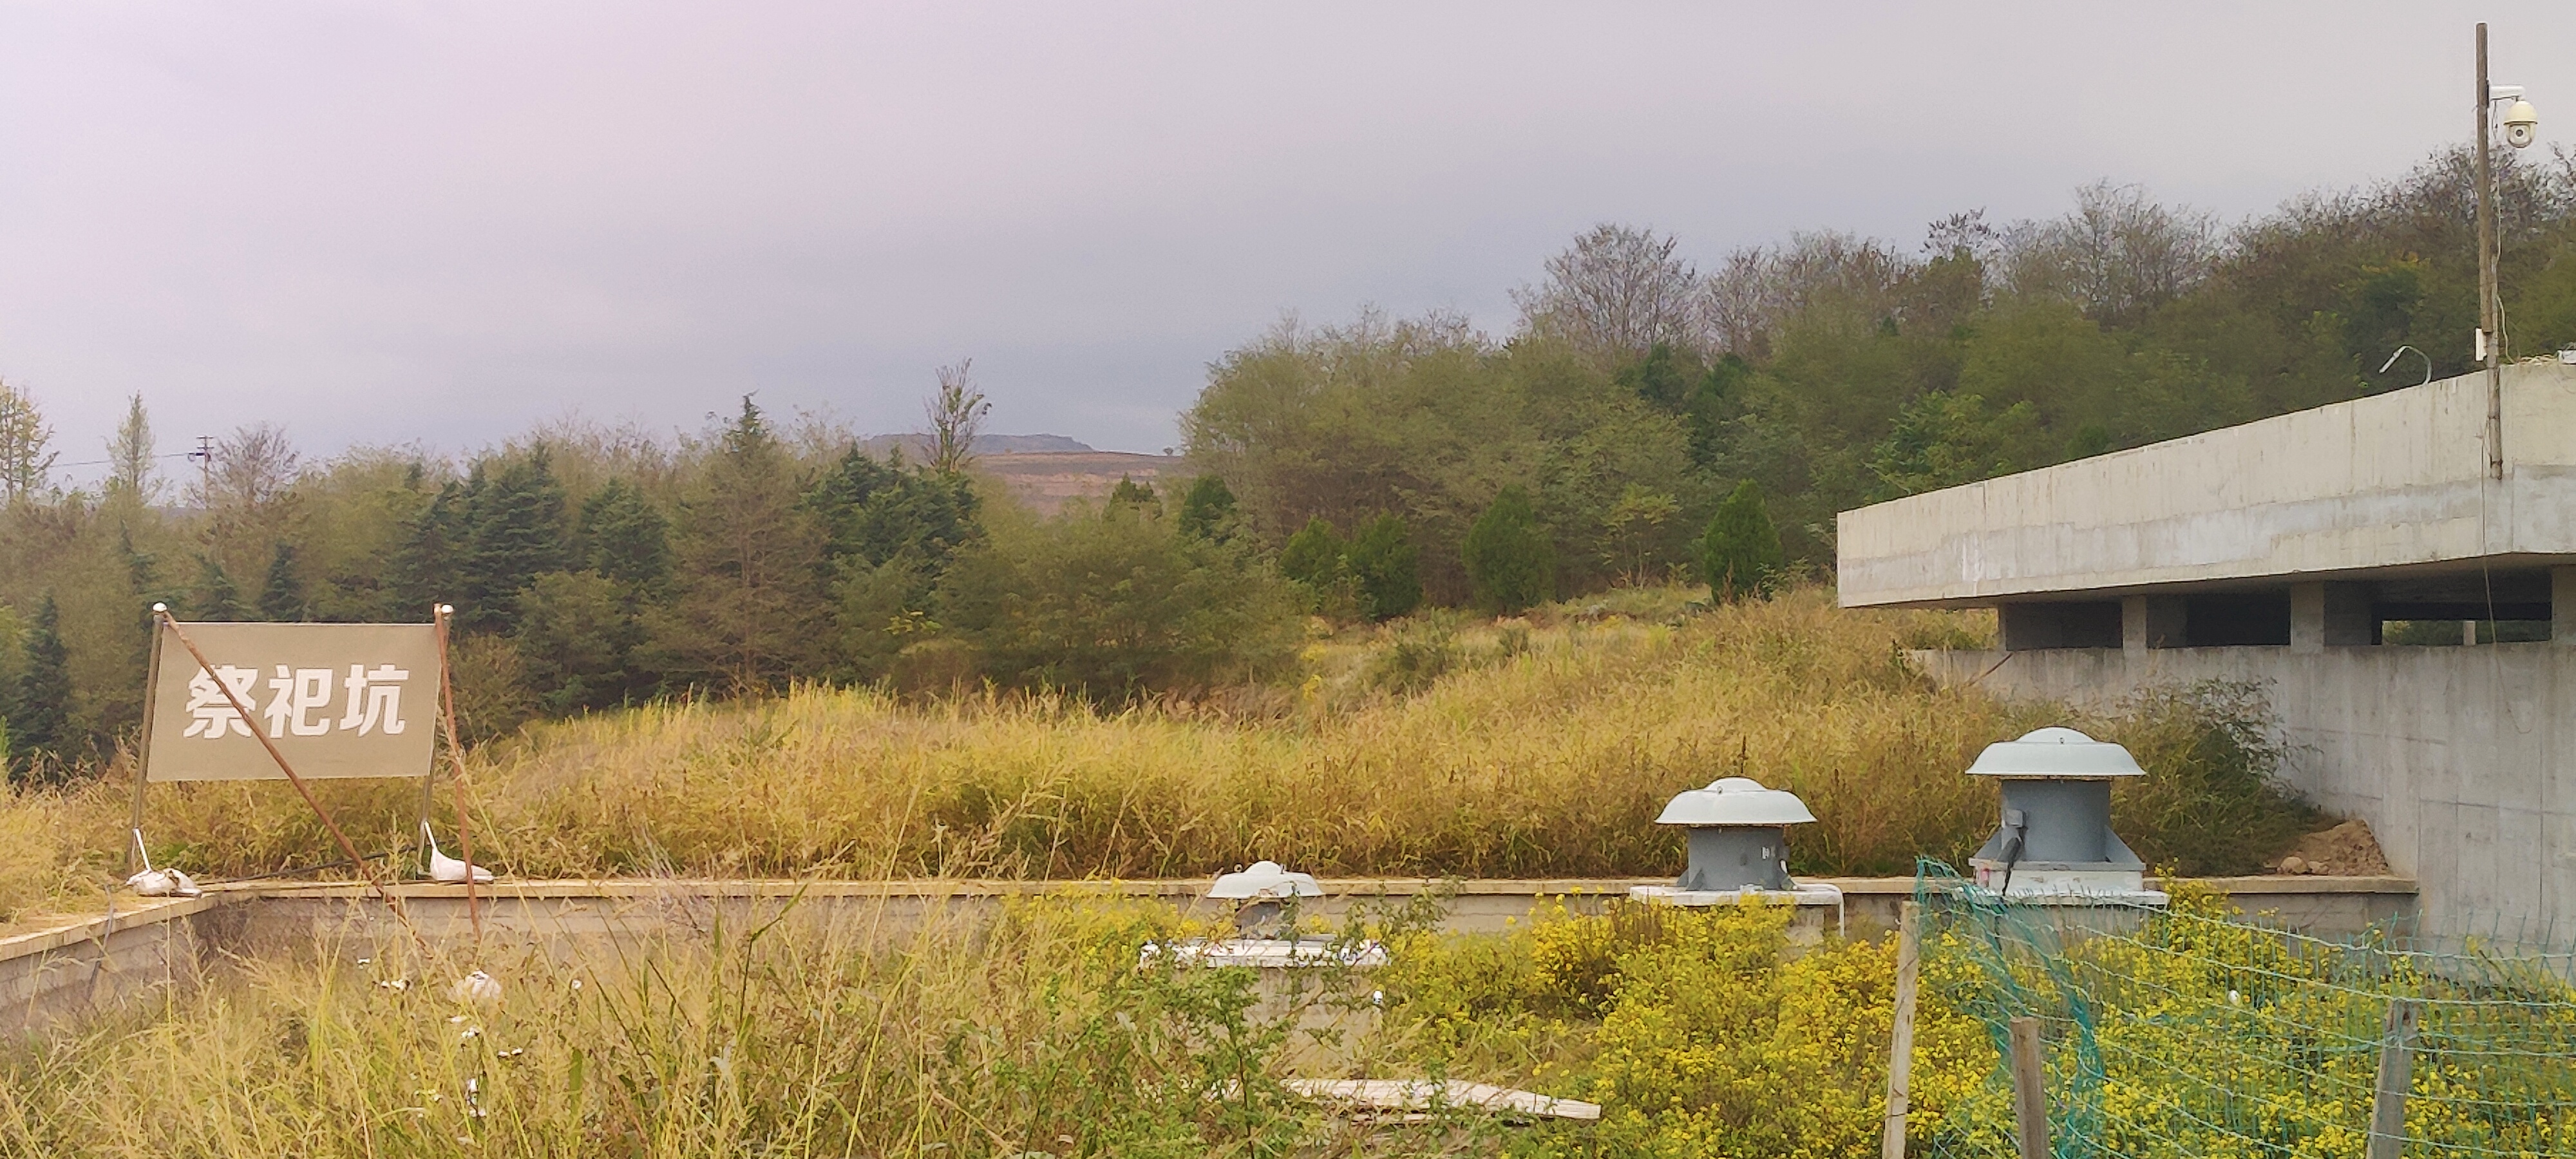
[(1386, 569), (1208, 509), (1740, 555), (1510, 560), (2213, 800), (1113, 604), (1315, 556)]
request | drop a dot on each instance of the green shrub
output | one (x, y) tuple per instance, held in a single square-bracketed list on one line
[(1384, 566), (2212, 802), (1740, 555), (1416, 657), (1140, 496), (1113, 604), (1314, 556), (1208, 510), (1510, 561)]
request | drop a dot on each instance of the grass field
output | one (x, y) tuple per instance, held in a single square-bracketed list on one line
[(1439, 746)]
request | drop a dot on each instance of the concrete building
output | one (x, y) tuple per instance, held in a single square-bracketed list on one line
[(2298, 551)]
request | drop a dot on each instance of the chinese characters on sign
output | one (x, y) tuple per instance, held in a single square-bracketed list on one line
[(339, 700), (374, 700)]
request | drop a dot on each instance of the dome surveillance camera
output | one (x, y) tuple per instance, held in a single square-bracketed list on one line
[(2521, 124)]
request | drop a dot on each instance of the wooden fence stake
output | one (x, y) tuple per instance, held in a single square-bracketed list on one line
[(2030, 1088), (2396, 1071), (1900, 1046)]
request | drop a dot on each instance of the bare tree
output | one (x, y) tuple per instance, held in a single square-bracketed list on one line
[(130, 466), (26, 457), (1760, 288), (956, 417), (1615, 293), (247, 493), (2118, 255)]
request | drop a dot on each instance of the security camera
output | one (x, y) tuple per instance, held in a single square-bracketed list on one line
[(2521, 124)]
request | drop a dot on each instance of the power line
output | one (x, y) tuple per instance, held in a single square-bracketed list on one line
[(105, 462)]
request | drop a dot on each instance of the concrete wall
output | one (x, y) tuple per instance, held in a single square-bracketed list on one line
[(64, 974), (2394, 480), (2459, 758)]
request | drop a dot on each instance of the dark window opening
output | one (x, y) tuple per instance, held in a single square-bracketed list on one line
[(2059, 625), (2237, 621)]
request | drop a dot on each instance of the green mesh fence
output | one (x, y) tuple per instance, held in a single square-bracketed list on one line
[(2195, 1031)]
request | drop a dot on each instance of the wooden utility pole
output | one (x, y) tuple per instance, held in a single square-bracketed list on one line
[(2030, 1088), (2489, 313), (1900, 1048)]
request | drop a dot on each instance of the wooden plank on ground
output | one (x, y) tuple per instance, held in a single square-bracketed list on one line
[(1423, 1095)]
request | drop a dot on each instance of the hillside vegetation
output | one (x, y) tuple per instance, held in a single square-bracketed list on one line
[(1535, 746), (1644, 421)]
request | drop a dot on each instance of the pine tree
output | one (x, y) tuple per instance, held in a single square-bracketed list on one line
[(1740, 555), (1384, 565), (215, 599), (514, 532), (143, 577), (426, 570), (1510, 561), (875, 512), (40, 720), (577, 636), (130, 466), (625, 537), (1208, 510), (1130, 493), (749, 557), (281, 599)]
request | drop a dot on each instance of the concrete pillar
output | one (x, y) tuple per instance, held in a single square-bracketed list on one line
[(2330, 615), (2308, 617), (2352, 617), (2151, 622), (2562, 605)]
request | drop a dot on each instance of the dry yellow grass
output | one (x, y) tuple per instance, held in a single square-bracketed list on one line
[(1553, 761), (1546, 749)]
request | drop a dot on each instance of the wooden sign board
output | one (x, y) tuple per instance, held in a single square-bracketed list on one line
[(338, 700)]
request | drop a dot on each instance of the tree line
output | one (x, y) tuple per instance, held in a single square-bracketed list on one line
[(1638, 391), (1645, 421)]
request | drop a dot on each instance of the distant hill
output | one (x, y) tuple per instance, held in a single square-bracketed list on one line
[(1042, 471)]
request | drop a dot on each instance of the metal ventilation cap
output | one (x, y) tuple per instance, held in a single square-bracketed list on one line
[(2057, 753), (1736, 801), (1264, 879)]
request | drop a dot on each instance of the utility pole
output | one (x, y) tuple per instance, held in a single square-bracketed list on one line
[(2488, 338), (205, 457)]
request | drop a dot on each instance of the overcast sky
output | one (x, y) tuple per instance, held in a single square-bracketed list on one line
[(380, 223)]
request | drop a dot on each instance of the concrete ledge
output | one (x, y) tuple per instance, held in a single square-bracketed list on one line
[(98, 964), (948, 887), (102, 963)]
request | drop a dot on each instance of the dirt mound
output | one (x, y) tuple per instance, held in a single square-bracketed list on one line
[(2347, 850)]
